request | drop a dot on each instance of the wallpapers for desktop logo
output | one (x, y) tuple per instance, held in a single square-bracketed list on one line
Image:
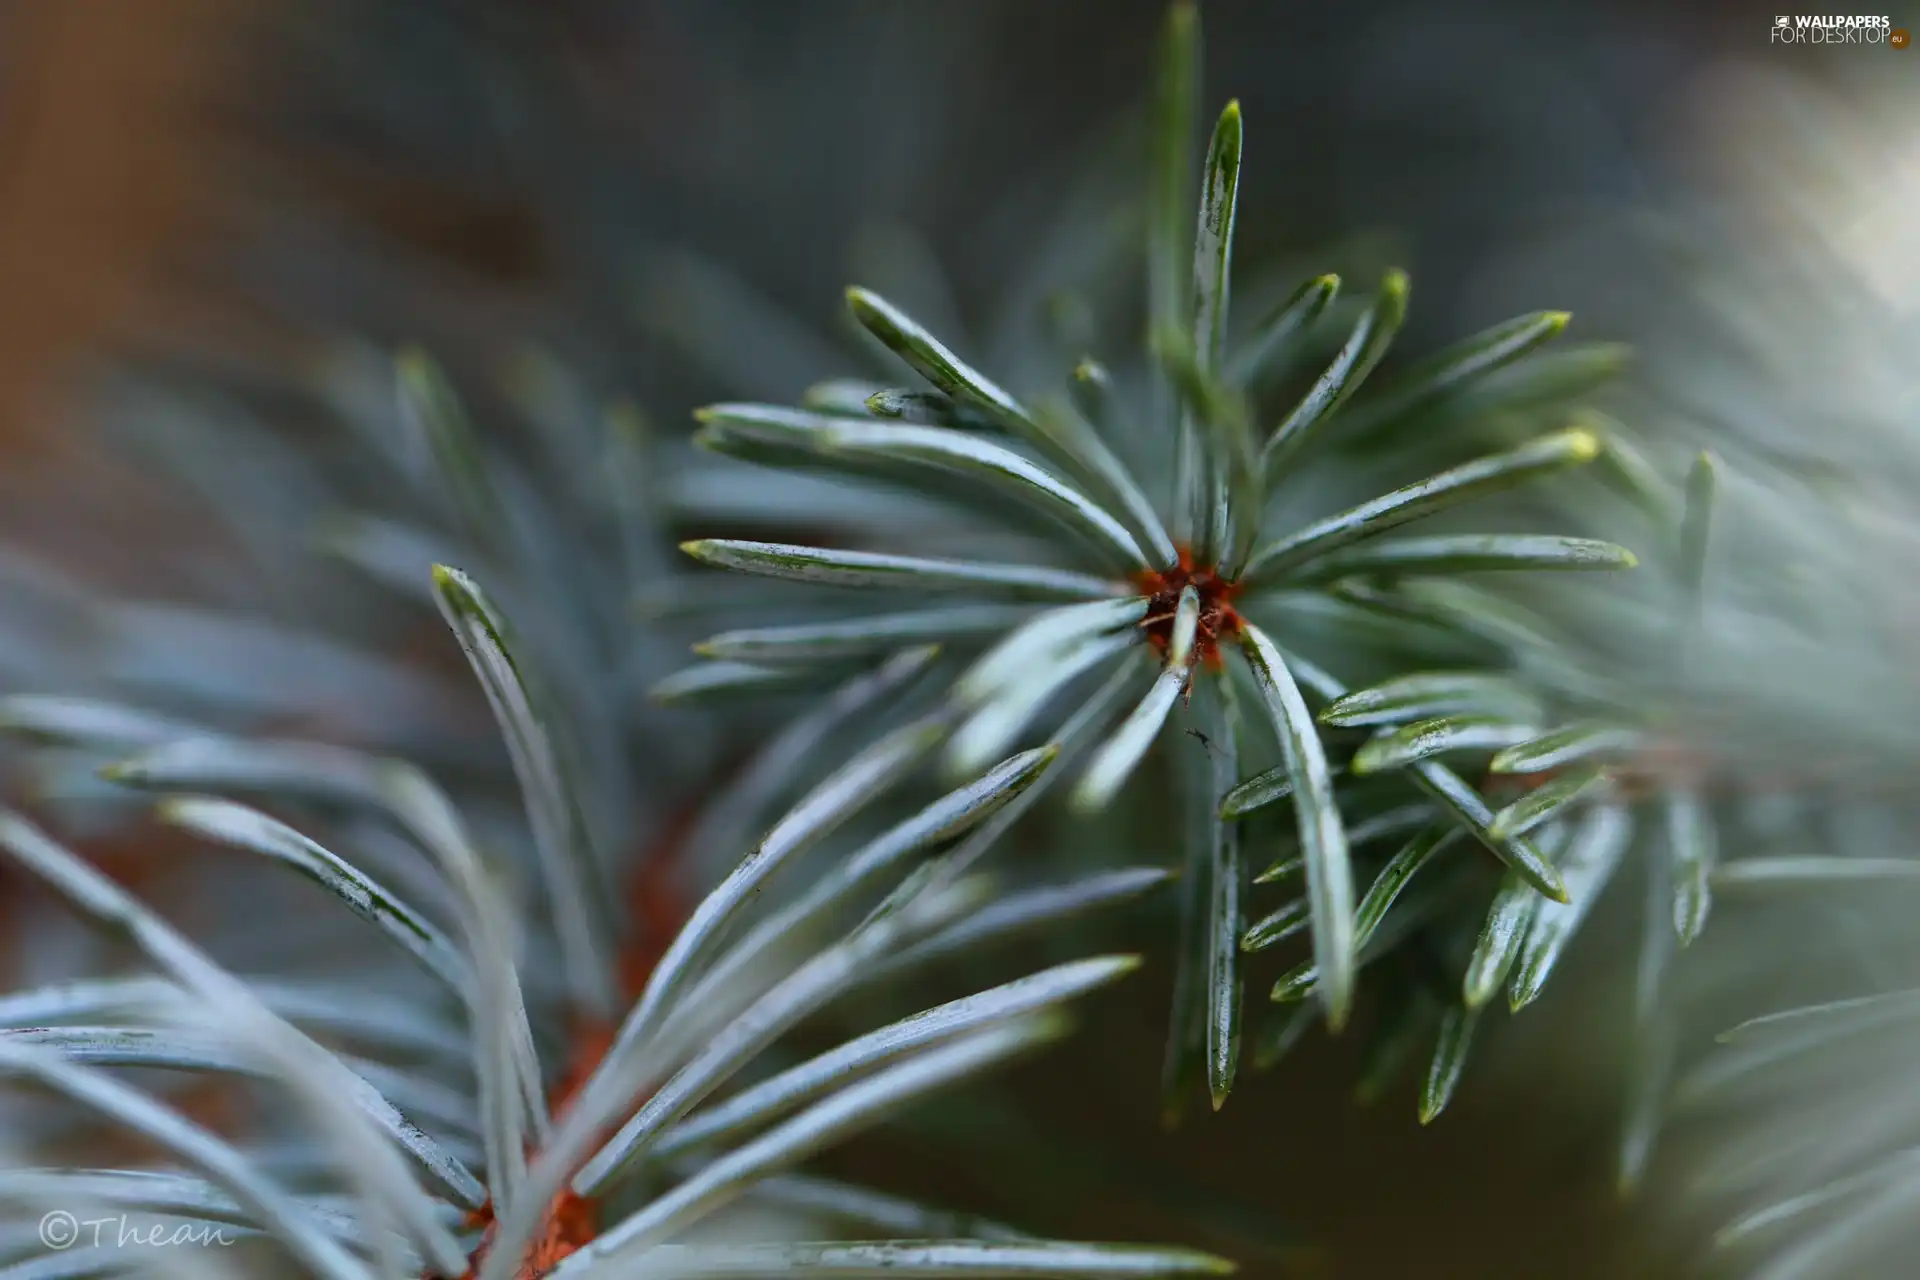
[(1832, 28)]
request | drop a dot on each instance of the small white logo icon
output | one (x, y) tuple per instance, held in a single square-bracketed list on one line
[(59, 1230), (1782, 21)]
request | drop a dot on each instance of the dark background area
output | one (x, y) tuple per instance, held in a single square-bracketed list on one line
[(401, 166)]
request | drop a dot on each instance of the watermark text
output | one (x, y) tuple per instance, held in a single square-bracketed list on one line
[(1836, 28), (61, 1230)]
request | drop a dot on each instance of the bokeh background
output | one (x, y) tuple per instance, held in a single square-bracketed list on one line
[(209, 187)]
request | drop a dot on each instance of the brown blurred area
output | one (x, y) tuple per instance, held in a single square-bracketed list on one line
[(105, 180), (138, 160), (111, 178)]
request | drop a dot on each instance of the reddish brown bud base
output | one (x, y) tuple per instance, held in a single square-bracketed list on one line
[(657, 906), (1219, 622)]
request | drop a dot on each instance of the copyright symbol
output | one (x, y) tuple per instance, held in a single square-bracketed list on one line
[(59, 1229)]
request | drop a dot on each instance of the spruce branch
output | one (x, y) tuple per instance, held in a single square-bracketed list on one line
[(1206, 580)]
